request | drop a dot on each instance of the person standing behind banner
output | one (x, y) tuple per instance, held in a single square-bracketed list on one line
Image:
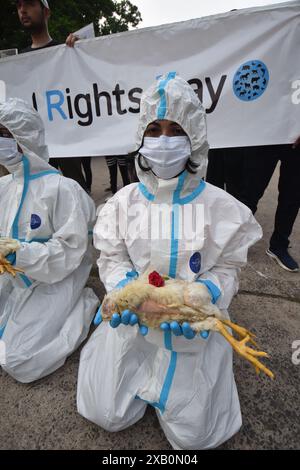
[(245, 173), (258, 167), (34, 16), (113, 163), (224, 169), (87, 167)]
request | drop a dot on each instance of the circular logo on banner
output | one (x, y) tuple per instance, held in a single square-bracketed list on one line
[(250, 80), (195, 262), (35, 221)]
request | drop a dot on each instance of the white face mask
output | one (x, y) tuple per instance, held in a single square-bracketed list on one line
[(9, 154), (166, 156)]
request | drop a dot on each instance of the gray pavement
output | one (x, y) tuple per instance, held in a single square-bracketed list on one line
[(42, 415)]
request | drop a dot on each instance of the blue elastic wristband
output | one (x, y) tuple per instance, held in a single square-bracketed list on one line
[(213, 289)]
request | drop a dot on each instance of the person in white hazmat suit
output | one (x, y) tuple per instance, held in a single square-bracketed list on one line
[(188, 381), (45, 312)]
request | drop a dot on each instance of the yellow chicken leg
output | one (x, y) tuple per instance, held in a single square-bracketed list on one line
[(241, 347), (6, 267), (241, 331)]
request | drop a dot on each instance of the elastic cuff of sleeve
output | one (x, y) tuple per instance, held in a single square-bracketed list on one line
[(121, 283), (132, 275), (213, 289), (11, 258)]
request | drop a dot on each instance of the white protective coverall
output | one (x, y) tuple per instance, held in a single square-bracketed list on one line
[(46, 312), (189, 382)]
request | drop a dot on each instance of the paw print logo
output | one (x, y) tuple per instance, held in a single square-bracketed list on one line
[(250, 80)]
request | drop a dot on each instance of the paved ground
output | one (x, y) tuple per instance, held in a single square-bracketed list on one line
[(43, 415)]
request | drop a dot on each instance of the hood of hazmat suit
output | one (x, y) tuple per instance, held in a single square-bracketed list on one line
[(27, 128), (187, 229), (45, 312), (164, 100)]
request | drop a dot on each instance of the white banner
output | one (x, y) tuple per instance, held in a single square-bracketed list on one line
[(244, 66)]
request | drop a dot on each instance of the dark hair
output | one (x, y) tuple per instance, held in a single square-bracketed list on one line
[(135, 153), (191, 166), (142, 167)]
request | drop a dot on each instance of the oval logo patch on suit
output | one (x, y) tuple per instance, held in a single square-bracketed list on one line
[(35, 221), (195, 262)]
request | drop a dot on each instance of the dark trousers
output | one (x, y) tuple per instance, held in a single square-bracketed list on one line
[(131, 169), (259, 166), (113, 163), (225, 167), (246, 172), (70, 168), (87, 168)]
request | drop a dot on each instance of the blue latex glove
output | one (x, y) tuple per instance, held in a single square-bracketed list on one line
[(126, 318), (184, 329)]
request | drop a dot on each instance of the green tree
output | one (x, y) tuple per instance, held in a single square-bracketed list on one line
[(108, 16)]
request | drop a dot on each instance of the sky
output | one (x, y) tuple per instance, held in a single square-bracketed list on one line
[(155, 12)]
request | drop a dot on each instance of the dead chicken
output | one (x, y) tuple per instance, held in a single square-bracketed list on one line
[(182, 301)]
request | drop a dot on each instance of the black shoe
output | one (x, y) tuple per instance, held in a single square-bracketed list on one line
[(284, 259)]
